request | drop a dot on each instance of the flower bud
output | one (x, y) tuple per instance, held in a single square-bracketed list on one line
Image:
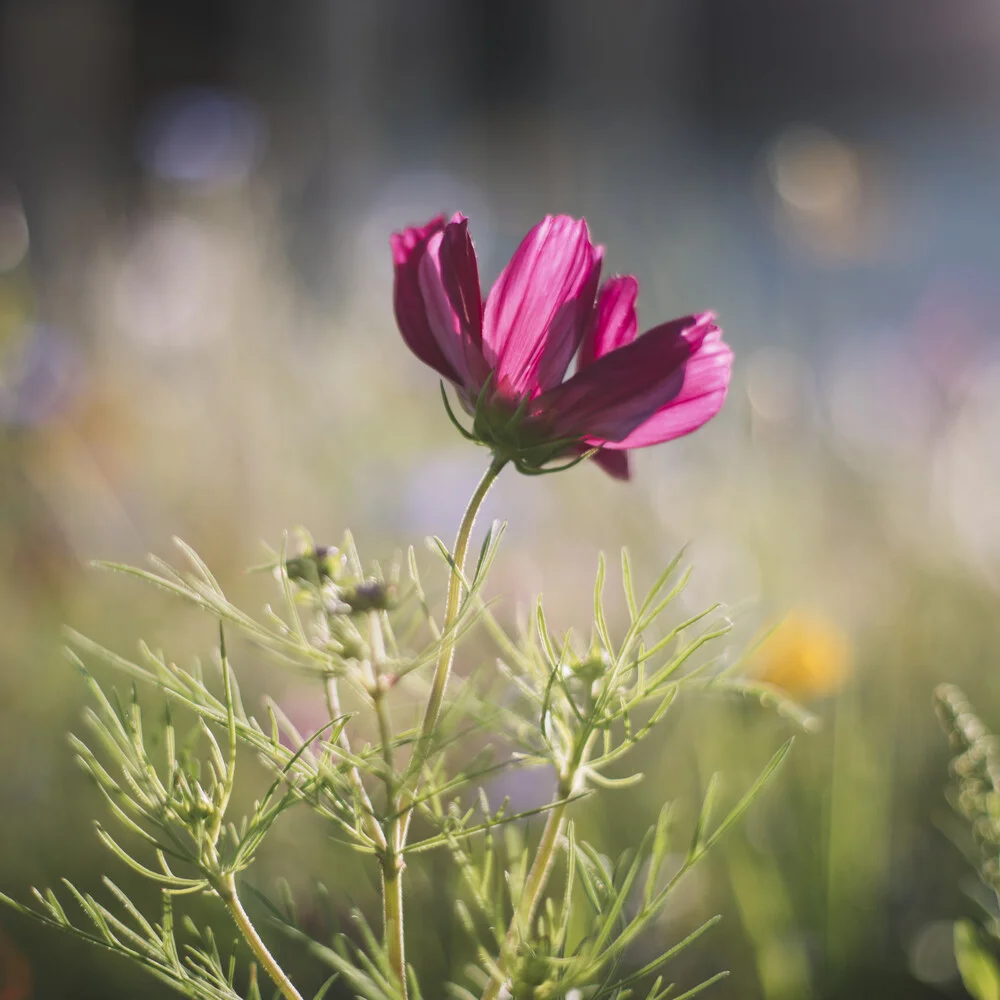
[(313, 567), (592, 667), (370, 595)]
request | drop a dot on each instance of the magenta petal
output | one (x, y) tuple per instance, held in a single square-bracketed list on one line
[(614, 463), (615, 322), (408, 250), (541, 305), (706, 379), (460, 273), (412, 240), (449, 286), (613, 395)]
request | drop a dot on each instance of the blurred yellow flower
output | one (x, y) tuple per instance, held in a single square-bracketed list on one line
[(807, 655)]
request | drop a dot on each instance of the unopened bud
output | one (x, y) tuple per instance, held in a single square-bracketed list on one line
[(591, 667), (371, 595), (312, 567)]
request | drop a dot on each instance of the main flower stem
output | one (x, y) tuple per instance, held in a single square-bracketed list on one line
[(395, 835), (447, 652), (227, 892)]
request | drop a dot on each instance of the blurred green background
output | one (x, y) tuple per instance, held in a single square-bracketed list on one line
[(196, 338)]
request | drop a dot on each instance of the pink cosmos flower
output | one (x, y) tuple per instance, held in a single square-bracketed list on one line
[(508, 359)]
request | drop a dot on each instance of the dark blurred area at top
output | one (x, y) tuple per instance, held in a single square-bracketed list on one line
[(345, 86)]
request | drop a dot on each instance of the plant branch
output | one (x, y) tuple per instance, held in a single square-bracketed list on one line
[(334, 708), (392, 916), (227, 893), (534, 887), (391, 857)]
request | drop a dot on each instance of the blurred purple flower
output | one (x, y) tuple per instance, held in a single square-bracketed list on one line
[(203, 137), (42, 379), (509, 356)]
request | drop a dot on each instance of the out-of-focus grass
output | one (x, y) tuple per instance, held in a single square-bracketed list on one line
[(200, 394)]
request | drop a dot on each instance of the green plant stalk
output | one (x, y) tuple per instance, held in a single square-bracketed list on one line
[(392, 916), (227, 893), (336, 712), (376, 642), (446, 656), (391, 856), (391, 860), (534, 884), (541, 867)]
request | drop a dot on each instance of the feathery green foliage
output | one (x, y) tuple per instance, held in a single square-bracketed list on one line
[(545, 919)]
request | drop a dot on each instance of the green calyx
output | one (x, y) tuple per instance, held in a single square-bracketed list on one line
[(514, 435)]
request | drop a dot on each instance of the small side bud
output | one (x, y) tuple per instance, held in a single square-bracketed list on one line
[(594, 666), (202, 806), (315, 567), (371, 595)]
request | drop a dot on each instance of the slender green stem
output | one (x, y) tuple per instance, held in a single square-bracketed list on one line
[(395, 833), (227, 892), (392, 917), (391, 856), (541, 866), (336, 712), (534, 887), (376, 642), (446, 654)]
